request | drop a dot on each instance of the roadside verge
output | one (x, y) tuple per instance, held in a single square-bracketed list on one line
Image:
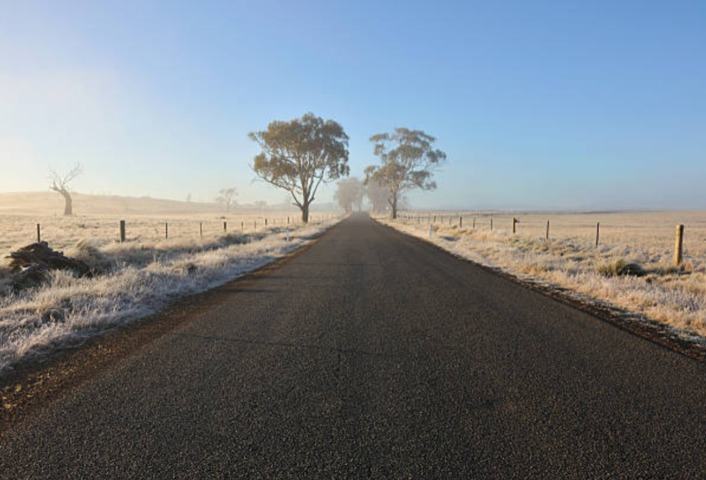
[(54, 369), (683, 341)]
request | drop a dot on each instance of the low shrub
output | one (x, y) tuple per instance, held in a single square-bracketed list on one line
[(620, 267)]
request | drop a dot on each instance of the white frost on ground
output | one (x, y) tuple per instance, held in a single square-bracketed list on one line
[(141, 279), (673, 297)]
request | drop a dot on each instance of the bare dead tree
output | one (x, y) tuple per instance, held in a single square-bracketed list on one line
[(60, 185)]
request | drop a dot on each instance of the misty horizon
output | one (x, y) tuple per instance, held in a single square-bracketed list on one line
[(539, 107)]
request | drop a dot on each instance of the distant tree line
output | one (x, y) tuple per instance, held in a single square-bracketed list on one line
[(300, 155)]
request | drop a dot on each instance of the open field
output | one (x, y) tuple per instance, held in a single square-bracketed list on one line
[(369, 355), (641, 242), (97, 218), (133, 278)]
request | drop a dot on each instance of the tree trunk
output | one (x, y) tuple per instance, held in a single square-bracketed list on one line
[(305, 213), (393, 204), (68, 203)]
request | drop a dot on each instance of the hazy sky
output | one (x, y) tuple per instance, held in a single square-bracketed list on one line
[(538, 104)]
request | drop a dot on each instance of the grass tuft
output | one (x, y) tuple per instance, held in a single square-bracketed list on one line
[(620, 267)]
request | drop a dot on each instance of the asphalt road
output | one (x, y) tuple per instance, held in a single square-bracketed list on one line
[(372, 354)]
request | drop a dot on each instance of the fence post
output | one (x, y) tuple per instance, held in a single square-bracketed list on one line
[(679, 245), (547, 235), (474, 223), (491, 224), (166, 230), (265, 222), (514, 223), (460, 222), (598, 232), (122, 230), (201, 229), (242, 225), (287, 220), (39, 233), (225, 227)]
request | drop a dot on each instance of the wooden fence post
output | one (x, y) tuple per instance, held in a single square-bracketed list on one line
[(265, 222), (491, 224), (460, 222), (39, 233), (679, 245), (547, 235), (166, 230), (122, 230), (225, 227), (514, 223), (201, 229), (598, 232), (474, 223)]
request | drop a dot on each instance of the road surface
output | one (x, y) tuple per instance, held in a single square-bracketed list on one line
[(372, 354)]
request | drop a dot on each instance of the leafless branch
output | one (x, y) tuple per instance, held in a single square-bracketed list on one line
[(61, 183)]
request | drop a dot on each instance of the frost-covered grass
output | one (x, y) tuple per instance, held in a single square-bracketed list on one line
[(630, 269), (17, 230), (137, 278)]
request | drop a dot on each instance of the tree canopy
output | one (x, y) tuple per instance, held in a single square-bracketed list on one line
[(226, 197), (407, 161), (299, 155), (350, 193), (378, 195)]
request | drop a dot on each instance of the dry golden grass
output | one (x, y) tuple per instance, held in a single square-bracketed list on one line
[(136, 277), (97, 218), (630, 242)]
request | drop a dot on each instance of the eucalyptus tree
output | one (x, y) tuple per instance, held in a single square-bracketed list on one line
[(350, 193), (301, 154), (407, 161), (226, 197), (377, 195)]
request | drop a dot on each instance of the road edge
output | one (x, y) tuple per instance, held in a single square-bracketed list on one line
[(636, 324), (40, 381)]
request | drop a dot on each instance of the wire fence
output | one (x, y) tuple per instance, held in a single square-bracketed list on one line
[(661, 232), (61, 232)]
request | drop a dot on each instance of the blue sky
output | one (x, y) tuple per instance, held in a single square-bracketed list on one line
[(538, 104)]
